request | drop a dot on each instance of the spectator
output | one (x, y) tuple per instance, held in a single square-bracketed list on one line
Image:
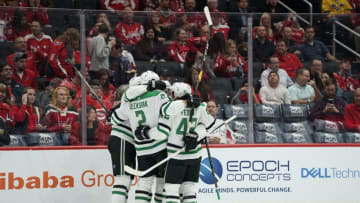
[(122, 64), (4, 136), (60, 115), (39, 44), (20, 46), (219, 24), (336, 10), (101, 113), (99, 51), (273, 7), (193, 17), (288, 61), (6, 77), (231, 63), (263, 48), (148, 5), (43, 98), (297, 32), (197, 46), (167, 18), (26, 115), (176, 5), (115, 5), (161, 34), (18, 27), (148, 49), (352, 114), (182, 22), (238, 22), (265, 20), (62, 52), (301, 92), (128, 31), (222, 135), (286, 35), (6, 112), (108, 89), (284, 78), (95, 129), (101, 18), (213, 7), (274, 93), (243, 94), (178, 49), (330, 107), (311, 48), (343, 79), (315, 77), (204, 92), (36, 11), (22, 75)]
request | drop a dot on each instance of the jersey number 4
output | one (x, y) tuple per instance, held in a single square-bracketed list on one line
[(181, 129)]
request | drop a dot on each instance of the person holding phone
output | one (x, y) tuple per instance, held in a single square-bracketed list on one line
[(330, 107)]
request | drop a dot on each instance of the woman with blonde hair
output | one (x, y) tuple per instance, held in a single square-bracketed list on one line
[(60, 114)]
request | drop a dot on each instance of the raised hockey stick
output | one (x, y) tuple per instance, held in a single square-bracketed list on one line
[(135, 172)]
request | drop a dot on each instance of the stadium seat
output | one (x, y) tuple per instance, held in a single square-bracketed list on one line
[(267, 113), (6, 48), (220, 96), (174, 68), (17, 140), (273, 128), (43, 139), (296, 138), (142, 66), (294, 113), (321, 137), (237, 83), (240, 110), (330, 67), (239, 126), (351, 137), (240, 138), (328, 126), (297, 127), (220, 112), (268, 138), (257, 70)]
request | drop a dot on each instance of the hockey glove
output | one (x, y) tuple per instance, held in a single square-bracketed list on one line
[(156, 85), (192, 100), (190, 141), (141, 132)]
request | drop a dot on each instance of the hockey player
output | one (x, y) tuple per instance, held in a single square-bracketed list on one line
[(183, 170), (121, 144)]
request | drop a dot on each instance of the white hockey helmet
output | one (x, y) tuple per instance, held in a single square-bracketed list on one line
[(180, 89), (134, 81), (148, 76)]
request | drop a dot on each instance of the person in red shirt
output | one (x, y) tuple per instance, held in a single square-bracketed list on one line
[(213, 7), (20, 46), (37, 11), (178, 49), (95, 129), (128, 31), (352, 113), (265, 20), (219, 25), (22, 75), (108, 90), (167, 17), (231, 63), (17, 27), (148, 5), (26, 115), (39, 44), (60, 115), (288, 61), (62, 52), (344, 81), (120, 5), (6, 112)]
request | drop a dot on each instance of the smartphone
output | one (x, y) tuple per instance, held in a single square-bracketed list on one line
[(331, 101)]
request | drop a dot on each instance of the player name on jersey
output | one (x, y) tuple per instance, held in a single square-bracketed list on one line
[(138, 105), (185, 112)]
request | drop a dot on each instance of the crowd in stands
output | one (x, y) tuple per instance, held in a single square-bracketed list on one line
[(40, 89)]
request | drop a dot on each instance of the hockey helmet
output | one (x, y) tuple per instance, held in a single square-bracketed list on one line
[(180, 89), (134, 81), (148, 76)]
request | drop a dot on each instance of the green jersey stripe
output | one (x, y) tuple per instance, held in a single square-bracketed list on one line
[(163, 131), (124, 132)]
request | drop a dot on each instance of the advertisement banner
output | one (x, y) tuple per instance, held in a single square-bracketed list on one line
[(60, 176), (281, 174)]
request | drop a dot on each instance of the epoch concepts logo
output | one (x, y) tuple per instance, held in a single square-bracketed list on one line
[(205, 170)]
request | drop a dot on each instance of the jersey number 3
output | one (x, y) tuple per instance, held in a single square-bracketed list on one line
[(140, 114)]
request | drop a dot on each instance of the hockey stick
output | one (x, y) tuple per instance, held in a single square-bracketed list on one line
[(135, 172)]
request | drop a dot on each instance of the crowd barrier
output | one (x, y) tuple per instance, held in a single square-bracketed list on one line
[(247, 173)]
